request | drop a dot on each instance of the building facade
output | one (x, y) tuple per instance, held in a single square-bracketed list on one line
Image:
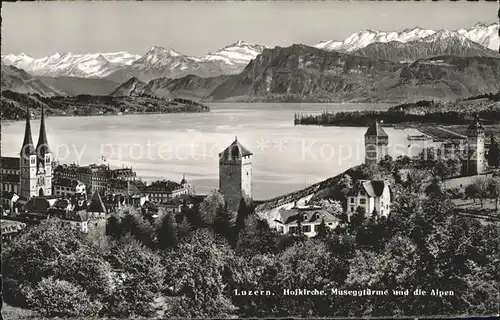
[(163, 191), (369, 196), (65, 187), (376, 144), (96, 177), (32, 175), (476, 158), (308, 218), (235, 175), (10, 174)]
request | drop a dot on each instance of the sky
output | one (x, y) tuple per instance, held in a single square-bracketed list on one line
[(197, 27)]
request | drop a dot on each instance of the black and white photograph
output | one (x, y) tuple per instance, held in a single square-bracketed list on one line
[(250, 159)]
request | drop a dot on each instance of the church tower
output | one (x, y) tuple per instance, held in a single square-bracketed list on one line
[(27, 162), (44, 161), (376, 144), (235, 174), (475, 147)]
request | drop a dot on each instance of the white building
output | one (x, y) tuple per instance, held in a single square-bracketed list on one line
[(67, 187), (309, 218), (374, 195)]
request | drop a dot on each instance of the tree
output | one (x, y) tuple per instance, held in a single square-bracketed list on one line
[(139, 227), (53, 250), (481, 188), (166, 233), (223, 222), (494, 153), (59, 298), (243, 212), (256, 238), (194, 278), (208, 207), (494, 189), (357, 219), (323, 230), (113, 228), (137, 281)]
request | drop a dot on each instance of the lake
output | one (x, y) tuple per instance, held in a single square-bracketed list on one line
[(166, 146)]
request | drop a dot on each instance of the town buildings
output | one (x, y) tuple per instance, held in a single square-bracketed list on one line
[(308, 218), (376, 144), (235, 175), (65, 187), (369, 196), (163, 191)]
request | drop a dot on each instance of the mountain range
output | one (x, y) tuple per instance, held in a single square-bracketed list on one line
[(367, 66), (163, 62)]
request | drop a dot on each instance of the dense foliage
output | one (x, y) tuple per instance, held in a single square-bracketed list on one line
[(173, 268)]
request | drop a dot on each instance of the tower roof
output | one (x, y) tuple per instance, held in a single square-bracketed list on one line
[(27, 148), (183, 181), (376, 130), (234, 150), (475, 126), (96, 204), (42, 147)]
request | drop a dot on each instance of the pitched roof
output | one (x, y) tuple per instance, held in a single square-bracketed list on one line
[(375, 130), (42, 147), (311, 214), (11, 163), (475, 125), (28, 147), (96, 204), (373, 188), (234, 151), (38, 204), (164, 185), (65, 182)]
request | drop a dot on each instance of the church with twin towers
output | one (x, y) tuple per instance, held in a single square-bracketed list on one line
[(35, 163)]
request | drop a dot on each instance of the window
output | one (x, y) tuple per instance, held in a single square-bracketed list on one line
[(316, 228), (292, 229), (352, 209), (352, 200), (362, 201), (306, 228), (362, 192)]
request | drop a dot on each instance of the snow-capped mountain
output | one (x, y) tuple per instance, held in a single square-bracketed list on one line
[(93, 65), (161, 62), (121, 66), (440, 43), (238, 53), (486, 35)]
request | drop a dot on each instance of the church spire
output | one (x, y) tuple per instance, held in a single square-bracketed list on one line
[(27, 149), (42, 146)]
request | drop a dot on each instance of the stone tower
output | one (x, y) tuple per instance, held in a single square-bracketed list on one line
[(27, 163), (475, 148), (376, 144), (235, 174), (44, 161)]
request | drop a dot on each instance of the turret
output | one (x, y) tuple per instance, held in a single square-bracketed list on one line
[(475, 144), (376, 144), (235, 174)]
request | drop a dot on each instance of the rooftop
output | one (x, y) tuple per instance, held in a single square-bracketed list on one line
[(375, 130), (305, 214), (10, 163), (234, 151)]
